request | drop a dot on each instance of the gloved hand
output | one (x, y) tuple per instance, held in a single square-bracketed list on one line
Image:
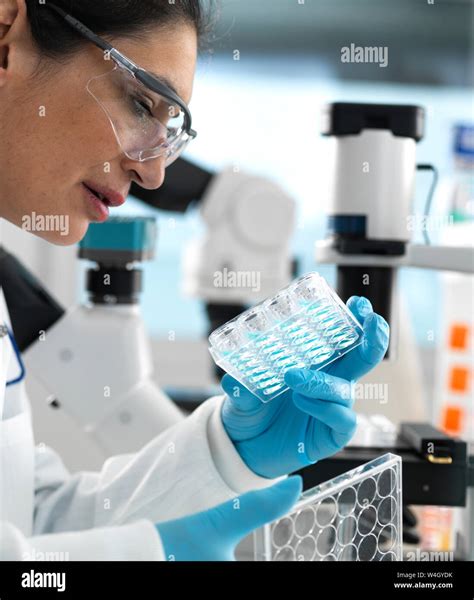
[(214, 534), (314, 418)]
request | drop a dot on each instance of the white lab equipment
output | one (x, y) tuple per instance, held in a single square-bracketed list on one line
[(371, 204), (95, 362), (244, 255), (374, 431)]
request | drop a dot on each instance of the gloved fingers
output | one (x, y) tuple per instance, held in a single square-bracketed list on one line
[(376, 329), (248, 512), (371, 351), (341, 419), (317, 384), (342, 439), (375, 341), (240, 397), (360, 307)]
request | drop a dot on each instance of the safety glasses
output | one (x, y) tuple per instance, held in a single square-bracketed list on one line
[(148, 118)]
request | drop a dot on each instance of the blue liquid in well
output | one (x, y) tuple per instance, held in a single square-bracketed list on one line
[(320, 310), (273, 390), (319, 355), (323, 315), (264, 380), (254, 369), (247, 362), (275, 383), (344, 339), (292, 327), (289, 362), (267, 342), (314, 336), (302, 337), (308, 340)]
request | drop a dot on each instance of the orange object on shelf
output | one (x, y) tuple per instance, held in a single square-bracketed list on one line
[(459, 379), (452, 419), (458, 337)]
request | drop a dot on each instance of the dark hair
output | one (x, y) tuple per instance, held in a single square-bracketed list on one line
[(55, 39)]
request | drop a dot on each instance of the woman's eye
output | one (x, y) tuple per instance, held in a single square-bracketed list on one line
[(141, 107)]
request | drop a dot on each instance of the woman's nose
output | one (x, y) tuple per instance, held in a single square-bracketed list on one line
[(149, 174)]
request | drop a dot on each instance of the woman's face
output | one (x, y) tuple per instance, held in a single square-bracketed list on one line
[(54, 136)]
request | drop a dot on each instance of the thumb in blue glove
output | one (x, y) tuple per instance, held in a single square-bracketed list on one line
[(213, 535)]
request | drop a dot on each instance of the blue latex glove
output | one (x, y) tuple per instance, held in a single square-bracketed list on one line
[(314, 418), (214, 534)]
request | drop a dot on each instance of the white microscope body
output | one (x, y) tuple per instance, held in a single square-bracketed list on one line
[(244, 255), (96, 365)]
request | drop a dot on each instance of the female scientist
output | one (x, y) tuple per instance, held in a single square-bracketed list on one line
[(94, 96)]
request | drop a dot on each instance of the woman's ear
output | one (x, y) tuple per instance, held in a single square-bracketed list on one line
[(3, 54), (10, 10)]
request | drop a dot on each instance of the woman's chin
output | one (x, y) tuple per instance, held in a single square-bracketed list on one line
[(66, 235)]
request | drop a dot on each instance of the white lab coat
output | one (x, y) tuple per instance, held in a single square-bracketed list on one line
[(47, 513)]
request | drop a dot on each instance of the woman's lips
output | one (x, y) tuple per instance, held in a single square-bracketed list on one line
[(106, 194), (99, 208)]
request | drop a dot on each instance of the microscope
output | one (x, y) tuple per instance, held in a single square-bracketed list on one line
[(95, 359), (373, 150)]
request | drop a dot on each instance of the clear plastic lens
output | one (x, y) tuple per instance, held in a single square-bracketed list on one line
[(145, 124)]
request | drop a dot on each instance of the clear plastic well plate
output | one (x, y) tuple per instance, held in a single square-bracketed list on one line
[(305, 325), (356, 516)]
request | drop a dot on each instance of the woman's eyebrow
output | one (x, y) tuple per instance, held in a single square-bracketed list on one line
[(165, 81)]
